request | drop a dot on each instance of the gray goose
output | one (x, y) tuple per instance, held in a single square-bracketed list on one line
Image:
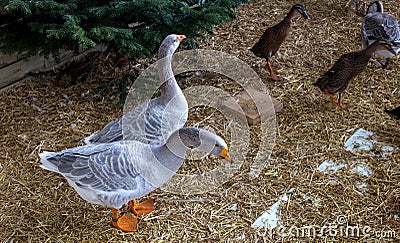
[(378, 25), (113, 174), (156, 119)]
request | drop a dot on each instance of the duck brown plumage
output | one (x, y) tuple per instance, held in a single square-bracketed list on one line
[(346, 68), (395, 113), (273, 37)]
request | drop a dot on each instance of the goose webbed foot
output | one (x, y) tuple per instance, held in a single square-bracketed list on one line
[(143, 208), (125, 222)]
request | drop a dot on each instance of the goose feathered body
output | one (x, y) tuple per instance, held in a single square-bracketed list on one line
[(103, 174), (112, 174), (378, 25), (150, 122), (154, 120)]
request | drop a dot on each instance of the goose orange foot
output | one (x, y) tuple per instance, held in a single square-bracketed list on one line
[(143, 208), (125, 222)]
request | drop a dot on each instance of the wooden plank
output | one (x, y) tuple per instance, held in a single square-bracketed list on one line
[(16, 71), (252, 113), (7, 59)]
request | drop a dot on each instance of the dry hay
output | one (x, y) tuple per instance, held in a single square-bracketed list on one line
[(39, 206)]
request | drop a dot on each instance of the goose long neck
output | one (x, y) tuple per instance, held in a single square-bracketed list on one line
[(172, 153), (170, 87), (370, 50)]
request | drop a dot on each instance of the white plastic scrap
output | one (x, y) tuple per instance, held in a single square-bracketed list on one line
[(234, 207), (329, 166), (387, 150), (361, 140), (362, 169), (270, 218), (361, 185)]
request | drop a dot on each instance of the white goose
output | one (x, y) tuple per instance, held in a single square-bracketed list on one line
[(154, 120), (116, 173), (378, 25)]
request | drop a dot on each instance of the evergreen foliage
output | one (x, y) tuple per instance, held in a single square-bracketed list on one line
[(133, 28)]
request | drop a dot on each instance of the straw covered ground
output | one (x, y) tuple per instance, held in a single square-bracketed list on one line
[(39, 115)]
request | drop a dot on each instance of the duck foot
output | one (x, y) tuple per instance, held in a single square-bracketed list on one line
[(143, 208), (271, 72), (383, 64), (337, 102), (125, 222), (340, 104), (342, 107), (275, 77)]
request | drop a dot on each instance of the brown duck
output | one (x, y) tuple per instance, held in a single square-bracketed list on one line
[(273, 37), (395, 113), (346, 68)]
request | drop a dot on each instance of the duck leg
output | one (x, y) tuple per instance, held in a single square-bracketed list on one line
[(125, 222), (271, 72), (334, 101), (340, 104), (143, 208)]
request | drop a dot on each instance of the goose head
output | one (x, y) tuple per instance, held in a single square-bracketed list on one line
[(375, 7), (204, 140), (169, 45)]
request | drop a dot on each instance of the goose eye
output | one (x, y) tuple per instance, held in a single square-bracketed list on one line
[(217, 145)]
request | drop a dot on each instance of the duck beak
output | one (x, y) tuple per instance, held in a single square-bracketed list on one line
[(225, 154), (305, 15), (181, 37)]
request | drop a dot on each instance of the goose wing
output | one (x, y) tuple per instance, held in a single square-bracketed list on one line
[(381, 26), (150, 122), (106, 174), (141, 122)]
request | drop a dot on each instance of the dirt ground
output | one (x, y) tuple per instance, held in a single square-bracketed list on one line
[(44, 115)]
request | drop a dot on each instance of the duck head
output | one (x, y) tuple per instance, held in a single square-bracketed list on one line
[(299, 8)]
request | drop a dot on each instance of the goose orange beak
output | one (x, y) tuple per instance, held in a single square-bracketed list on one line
[(225, 154), (181, 37)]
